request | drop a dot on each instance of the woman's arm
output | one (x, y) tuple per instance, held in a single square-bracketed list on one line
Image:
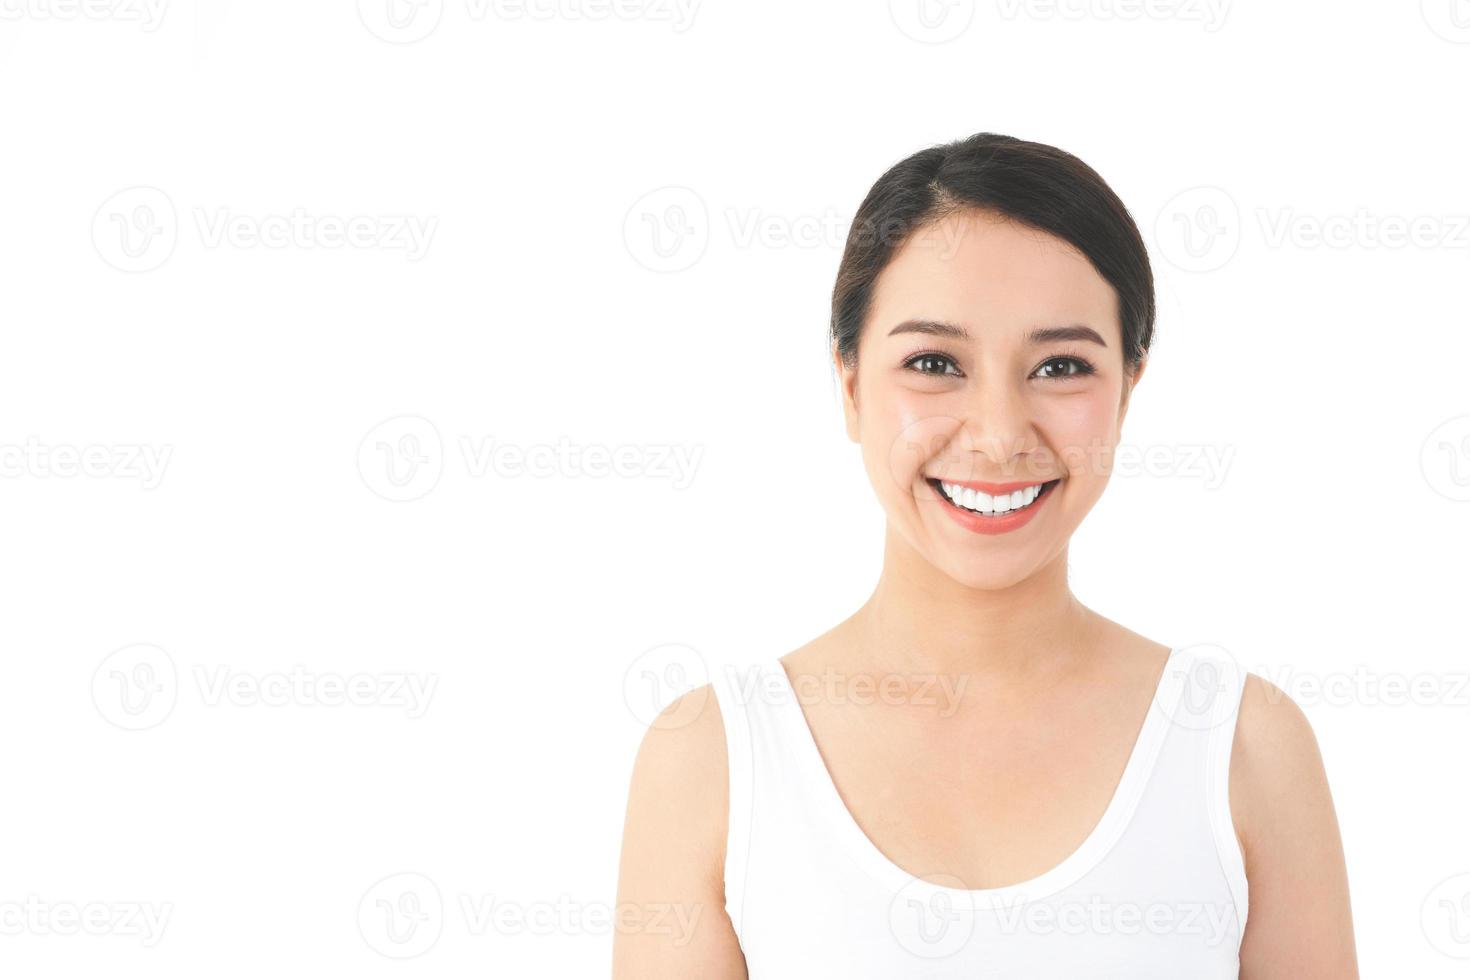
[(1299, 924), (671, 922)]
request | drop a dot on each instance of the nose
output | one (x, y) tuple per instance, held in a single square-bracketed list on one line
[(997, 434)]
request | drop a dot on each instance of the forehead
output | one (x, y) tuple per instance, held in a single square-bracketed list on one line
[(990, 273)]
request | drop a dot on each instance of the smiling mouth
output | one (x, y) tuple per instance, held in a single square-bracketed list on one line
[(991, 505)]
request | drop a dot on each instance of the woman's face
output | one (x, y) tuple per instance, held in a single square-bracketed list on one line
[(991, 361)]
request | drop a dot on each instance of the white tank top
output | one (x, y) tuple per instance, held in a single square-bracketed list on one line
[(1157, 890)]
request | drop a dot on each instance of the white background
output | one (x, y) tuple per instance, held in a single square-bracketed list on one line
[(162, 303)]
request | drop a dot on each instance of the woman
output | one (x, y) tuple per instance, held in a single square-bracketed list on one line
[(976, 775)]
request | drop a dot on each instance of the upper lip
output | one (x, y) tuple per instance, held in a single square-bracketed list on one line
[(993, 488)]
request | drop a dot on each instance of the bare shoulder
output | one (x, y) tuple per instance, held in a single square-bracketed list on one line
[(678, 800), (1300, 916), (1275, 759), (672, 922)]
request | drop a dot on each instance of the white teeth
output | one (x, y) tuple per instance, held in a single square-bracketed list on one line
[(984, 503)]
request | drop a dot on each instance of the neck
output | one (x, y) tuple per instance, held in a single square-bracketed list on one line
[(920, 619)]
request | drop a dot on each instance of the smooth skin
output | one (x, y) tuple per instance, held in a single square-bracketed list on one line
[(1006, 778)]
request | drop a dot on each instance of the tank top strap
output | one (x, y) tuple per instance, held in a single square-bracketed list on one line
[(734, 689), (1205, 690), (772, 771)]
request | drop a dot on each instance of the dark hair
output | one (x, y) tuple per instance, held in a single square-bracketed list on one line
[(1038, 185)]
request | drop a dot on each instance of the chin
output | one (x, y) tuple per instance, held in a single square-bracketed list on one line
[(986, 574)]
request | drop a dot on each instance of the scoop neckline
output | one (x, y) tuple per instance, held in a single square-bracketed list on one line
[(1067, 872)]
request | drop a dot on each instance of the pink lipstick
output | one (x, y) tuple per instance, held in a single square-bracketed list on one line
[(977, 505)]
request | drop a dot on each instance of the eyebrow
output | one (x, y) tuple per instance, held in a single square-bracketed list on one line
[(1038, 335)]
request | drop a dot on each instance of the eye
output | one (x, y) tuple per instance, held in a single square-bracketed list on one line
[(1062, 367), (932, 362)]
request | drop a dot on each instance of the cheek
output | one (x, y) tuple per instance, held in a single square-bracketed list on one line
[(909, 413), (903, 431), (1084, 428)]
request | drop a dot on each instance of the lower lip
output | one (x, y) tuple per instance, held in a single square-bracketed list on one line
[(989, 524)]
